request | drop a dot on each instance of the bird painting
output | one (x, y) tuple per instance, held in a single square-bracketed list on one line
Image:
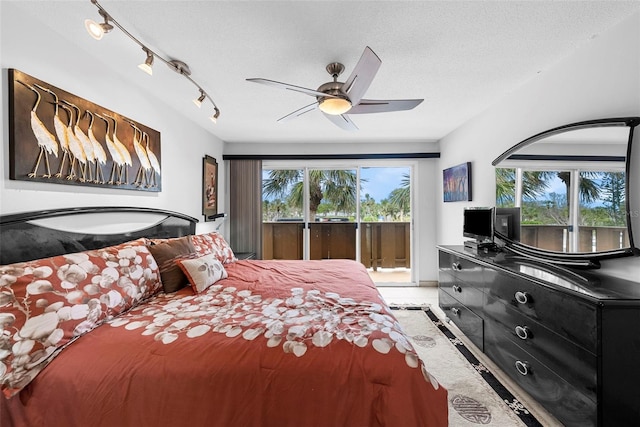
[(61, 131), (114, 152), (57, 137), (141, 152), (99, 154), (46, 141), (75, 147), (86, 172), (155, 164), (124, 152)]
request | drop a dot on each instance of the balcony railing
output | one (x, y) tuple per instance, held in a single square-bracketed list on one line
[(591, 239), (382, 244)]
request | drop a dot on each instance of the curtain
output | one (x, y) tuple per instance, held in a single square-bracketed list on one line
[(245, 206)]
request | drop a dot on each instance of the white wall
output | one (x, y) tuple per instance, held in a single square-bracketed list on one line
[(600, 80), (34, 49)]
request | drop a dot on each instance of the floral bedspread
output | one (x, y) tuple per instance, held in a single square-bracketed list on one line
[(276, 343)]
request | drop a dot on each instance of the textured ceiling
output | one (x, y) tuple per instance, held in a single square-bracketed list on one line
[(460, 56)]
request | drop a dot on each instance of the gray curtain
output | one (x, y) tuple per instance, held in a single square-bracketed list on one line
[(245, 207)]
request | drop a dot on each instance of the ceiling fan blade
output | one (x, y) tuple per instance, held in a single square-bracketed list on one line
[(299, 112), (342, 121), (367, 106), (290, 87), (362, 76)]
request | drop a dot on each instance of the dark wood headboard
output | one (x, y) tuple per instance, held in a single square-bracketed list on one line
[(23, 237)]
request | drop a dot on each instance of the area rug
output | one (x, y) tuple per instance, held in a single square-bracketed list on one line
[(476, 397)]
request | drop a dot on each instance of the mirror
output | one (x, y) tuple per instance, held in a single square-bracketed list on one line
[(562, 195)]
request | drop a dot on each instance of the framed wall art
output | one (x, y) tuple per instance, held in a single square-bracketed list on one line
[(58, 137), (456, 182), (209, 187)]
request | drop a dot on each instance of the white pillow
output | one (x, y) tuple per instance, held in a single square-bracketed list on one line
[(202, 272)]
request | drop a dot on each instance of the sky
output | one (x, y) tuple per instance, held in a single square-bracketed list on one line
[(381, 181)]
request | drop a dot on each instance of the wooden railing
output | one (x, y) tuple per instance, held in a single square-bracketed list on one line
[(385, 244), (553, 237), (382, 244)]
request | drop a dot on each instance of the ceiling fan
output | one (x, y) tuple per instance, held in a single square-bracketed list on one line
[(337, 99)]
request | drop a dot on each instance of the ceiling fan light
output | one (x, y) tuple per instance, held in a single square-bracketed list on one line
[(335, 106)]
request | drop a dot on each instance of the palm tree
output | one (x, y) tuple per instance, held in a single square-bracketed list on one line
[(400, 198), (533, 185), (535, 182), (336, 186), (368, 208), (589, 190)]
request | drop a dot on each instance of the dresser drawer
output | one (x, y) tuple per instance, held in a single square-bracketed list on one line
[(567, 315), (462, 268), (467, 294), (566, 402), (568, 360), (465, 319)]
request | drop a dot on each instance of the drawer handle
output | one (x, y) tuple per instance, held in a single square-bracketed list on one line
[(456, 266), (456, 288), (455, 311), (522, 367), (522, 297), (523, 332)]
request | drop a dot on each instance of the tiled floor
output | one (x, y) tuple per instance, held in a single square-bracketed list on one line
[(390, 275), (412, 295), (421, 295)]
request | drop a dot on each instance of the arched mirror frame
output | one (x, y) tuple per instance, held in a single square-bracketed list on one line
[(632, 198)]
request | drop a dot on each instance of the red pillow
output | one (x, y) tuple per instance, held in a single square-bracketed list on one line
[(213, 243), (45, 304)]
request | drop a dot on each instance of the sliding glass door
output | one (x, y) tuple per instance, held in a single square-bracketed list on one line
[(385, 226), (283, 215), (348, 212), (332, 213)]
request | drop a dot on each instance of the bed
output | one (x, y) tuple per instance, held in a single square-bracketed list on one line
[(93, 331)]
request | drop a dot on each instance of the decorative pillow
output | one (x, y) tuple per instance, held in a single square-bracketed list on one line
[(45, 304), (213, 243), (166, 255), (203, 272)]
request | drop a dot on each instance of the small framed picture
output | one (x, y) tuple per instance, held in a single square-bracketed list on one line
[(209, 186), (456, 182)]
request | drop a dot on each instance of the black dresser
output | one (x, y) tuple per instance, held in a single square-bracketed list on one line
[(570, 338)]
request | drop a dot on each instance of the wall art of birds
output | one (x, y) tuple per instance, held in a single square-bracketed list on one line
[(47, 143), (100, 156)]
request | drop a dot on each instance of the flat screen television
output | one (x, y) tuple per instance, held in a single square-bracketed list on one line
[(507, 223), (478, 224)]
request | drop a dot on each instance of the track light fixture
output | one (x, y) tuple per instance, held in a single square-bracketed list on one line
[(97, 31), (215, 116), (147, 65), (198, 100)]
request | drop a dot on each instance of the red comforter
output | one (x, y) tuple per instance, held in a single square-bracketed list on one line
[(277, 343)]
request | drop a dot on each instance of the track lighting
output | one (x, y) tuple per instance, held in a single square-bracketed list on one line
[(198, 100), (215, 116), (147, 65), (97, 31)]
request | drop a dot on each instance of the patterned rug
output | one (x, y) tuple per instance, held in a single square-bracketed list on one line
[(476, 397)]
